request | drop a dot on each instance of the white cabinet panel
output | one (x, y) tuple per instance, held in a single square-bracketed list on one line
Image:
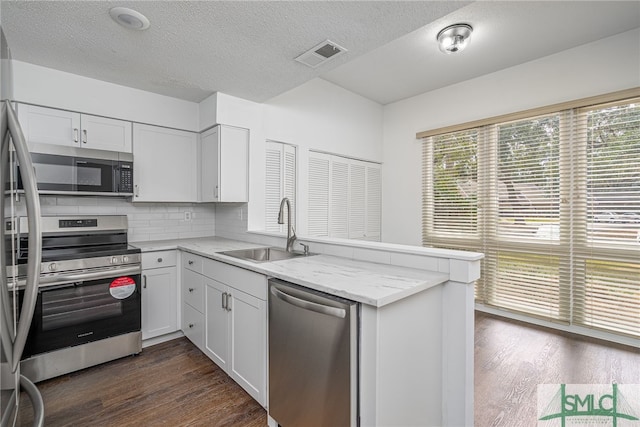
[(193, 325), (49, 126), (159, 307), (224, 163), (59, 127), (165, 164), (101, 133), (217, 323), (248, 343), (193, 292)]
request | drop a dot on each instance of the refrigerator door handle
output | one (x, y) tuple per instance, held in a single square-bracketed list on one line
[(35, 234)]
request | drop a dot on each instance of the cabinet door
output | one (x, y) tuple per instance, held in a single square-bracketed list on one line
[(101, 133), (49, 126), (209, 165), (234, 164), (193, 325), (216, 336), (165, 168), (225, 165), (248, 343), (159, 302)]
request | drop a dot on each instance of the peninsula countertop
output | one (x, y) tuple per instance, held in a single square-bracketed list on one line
[(365, 282)]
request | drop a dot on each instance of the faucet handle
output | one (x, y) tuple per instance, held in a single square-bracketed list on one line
[(306, 248)]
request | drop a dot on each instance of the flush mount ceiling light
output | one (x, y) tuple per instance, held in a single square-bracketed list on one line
[(129, 18), (454, 38)]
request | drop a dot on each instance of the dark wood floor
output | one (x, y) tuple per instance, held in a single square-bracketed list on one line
[(174, 384)]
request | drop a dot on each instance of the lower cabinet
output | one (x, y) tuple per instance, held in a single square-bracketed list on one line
[(159, 294), (232, 323)]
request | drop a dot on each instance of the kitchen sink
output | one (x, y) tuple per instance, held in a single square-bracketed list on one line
[(265, 254)]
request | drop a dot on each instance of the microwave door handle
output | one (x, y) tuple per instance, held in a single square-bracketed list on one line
[(35, 235)]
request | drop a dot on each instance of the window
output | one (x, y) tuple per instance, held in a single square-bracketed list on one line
[(554, 203), (280, 182), (344, 197)]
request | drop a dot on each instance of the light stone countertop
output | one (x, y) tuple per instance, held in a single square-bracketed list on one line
[(366, 282)]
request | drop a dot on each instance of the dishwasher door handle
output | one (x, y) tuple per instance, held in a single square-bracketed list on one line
[(308, 305)]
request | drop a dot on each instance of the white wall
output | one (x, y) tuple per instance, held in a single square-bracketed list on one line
[(607, 65), (52, 88), (319, 115)]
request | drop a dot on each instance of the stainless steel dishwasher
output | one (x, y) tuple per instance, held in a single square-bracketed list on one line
[(313, 357)]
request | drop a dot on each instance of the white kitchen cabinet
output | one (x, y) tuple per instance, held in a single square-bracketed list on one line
[(159, 294), (224, 163), (235, 319), (59, 127), (193, 294), (165, 164)]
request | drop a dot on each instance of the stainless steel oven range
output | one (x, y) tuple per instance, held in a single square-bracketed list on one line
[(88, 309)]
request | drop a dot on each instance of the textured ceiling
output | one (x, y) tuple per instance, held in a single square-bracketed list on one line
[(247, 48), (505, 34), (195, 48)]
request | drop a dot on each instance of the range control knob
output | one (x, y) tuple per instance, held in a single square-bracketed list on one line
[(52, 266), (125, 259), (114, 260)]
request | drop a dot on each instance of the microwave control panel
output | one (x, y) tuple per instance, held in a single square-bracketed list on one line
[(126, 178)]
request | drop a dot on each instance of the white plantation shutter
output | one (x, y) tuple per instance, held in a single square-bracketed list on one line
[(357, 199), (344, 197), (554, 203), (339, 201), (318, 209), (280, 181), (374, 202)]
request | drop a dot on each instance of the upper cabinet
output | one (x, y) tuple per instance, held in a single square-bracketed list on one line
[(59, 127), (225, 164), (165, 164)]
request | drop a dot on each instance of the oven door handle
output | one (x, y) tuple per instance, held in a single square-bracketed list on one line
[(81, 277)]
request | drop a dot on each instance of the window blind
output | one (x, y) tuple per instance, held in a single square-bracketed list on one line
[(345, 197), (554, 203), (280, 181)]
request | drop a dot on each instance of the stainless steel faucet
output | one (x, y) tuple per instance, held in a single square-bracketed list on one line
[(291, 233)]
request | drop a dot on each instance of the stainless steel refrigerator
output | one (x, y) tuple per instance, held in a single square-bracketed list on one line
[(17, 303)]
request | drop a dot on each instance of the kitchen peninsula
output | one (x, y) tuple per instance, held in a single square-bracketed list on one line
[(416, 317)]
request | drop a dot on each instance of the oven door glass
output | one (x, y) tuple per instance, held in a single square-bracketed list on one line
[(83, 312)]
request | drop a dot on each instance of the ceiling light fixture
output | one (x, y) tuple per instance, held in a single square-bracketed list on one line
[(129, 18), (454, 38)]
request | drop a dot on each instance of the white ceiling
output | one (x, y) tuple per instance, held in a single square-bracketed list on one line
[(247, 48)]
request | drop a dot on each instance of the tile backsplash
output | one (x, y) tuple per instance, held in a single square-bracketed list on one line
[(147, 221)]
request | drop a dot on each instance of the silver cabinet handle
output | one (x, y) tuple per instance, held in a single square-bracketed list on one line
[(215, 192), (144, 281), (75, 134), (137, 190), (191, 325), (308, 305), (224, 300), (229, 297), (191, 289), (190, 262), (159, 259), (84, 136)]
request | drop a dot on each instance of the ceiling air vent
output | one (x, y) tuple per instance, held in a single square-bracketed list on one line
[(321, 53)]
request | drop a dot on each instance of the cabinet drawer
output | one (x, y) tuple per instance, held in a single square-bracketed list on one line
[(192, 262), (193, 289), (244, 280), (158, 259), (193, 325)]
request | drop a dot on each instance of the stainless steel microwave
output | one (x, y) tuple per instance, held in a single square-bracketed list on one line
[(81, 171)]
